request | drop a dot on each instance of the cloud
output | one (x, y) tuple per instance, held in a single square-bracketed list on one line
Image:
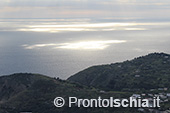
[(84, 8)]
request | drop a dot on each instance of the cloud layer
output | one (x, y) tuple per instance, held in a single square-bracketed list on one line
[(84, 8)]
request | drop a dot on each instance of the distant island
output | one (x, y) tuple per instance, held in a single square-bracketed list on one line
[(34, 93)]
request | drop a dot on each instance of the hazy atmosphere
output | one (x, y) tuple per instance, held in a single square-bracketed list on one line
[(61, 37)]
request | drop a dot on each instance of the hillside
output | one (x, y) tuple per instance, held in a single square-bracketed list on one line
[(35, 93), (143, 73), (24, 92)]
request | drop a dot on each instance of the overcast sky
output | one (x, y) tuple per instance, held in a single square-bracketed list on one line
[(123, 9)]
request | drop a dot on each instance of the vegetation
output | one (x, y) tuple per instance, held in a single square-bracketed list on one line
[(35, 93), (142, 73)]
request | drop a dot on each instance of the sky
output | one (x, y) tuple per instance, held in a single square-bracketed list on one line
[(62, 37), (82, 15), (121, 9)]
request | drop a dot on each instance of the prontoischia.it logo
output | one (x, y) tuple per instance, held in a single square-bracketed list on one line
[(111, 102)]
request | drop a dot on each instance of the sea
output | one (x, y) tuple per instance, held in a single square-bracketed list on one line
[(63, 47)]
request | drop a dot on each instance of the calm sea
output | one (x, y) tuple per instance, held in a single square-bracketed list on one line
[(63, 47)]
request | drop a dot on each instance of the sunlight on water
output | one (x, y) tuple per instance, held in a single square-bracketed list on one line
[(57, 26), (83, 45), (82, 27), (95, 45)]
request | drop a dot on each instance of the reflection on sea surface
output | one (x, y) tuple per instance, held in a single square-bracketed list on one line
[(62, 47)]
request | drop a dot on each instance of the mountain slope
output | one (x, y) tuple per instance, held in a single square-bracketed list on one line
[(35, 93), (147, 72), (16, 83)]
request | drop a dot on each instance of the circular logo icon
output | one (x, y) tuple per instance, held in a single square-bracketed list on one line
[(59, 102)]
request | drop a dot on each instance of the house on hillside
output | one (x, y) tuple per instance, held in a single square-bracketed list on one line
[(168, 95), (134, 96), (137, 76)]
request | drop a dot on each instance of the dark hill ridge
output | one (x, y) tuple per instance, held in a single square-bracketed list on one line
[(16, 83), (146, 72), (35, 93)]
